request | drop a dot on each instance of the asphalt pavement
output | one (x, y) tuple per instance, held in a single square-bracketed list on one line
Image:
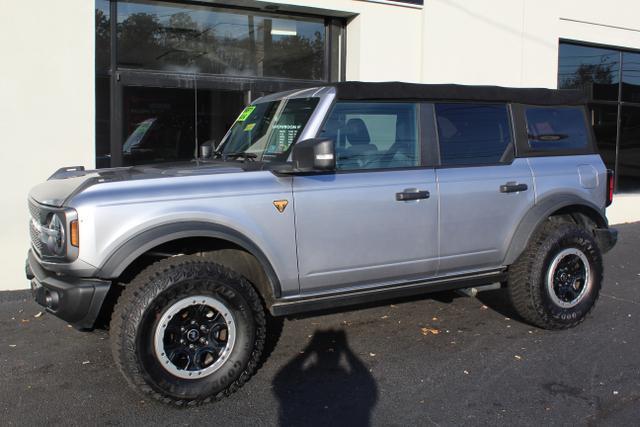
[(436, 360)]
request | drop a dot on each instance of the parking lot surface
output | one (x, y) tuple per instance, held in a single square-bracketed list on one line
[(437, 360)]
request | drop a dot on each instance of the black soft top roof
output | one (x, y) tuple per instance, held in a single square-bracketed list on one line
[(440, 92)]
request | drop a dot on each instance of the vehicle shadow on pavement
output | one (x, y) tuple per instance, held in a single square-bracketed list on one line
[(326, 384)]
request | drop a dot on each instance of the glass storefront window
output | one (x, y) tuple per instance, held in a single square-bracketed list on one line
[(186, 38), (615, 110), (594, 68)]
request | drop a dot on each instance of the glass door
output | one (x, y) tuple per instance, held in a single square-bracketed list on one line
[(167, 118)]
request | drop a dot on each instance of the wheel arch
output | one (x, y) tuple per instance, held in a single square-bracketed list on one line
[(237, 251), (580, 210)]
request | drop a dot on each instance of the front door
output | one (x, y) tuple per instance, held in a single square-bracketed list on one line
[(375, 220)]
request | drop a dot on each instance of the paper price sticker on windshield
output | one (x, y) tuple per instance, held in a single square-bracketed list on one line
[(245, 113), (249, 127)]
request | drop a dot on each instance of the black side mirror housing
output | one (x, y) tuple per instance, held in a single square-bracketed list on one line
[(314, 155)]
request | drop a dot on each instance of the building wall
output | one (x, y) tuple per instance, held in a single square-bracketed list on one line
[(46, 109), (515, 42), (47, 83)]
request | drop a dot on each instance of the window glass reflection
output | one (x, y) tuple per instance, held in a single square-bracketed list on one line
[(605, 125), (103, 36), (197, 39), (631, 77), (593, 68), (629, 154)]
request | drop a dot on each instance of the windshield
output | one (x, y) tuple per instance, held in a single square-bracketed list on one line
[(267, 130)]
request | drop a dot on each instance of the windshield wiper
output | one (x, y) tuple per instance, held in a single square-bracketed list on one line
[(239, 154)]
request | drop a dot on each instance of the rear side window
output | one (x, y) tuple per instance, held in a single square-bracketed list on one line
[(556, 129), (473, 134)]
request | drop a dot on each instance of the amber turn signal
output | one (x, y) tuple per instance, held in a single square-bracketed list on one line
[(74, 235)]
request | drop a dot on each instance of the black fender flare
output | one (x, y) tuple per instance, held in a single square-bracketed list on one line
[(130, 250), (540, 212)]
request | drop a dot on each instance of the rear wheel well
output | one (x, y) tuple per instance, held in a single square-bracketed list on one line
[(581, 215), (218, 250)]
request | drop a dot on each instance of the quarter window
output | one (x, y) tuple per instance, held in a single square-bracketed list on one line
[(553, 129), (473, 134), (370, 135)]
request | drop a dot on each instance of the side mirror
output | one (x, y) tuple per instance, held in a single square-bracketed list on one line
[(314, 155)]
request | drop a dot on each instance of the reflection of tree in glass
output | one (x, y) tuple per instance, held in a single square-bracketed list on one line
[(589, 73), (180, 43), (297, 57), (102, 40)]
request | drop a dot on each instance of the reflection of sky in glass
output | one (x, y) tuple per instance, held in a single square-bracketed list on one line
[(631, 68), (226, 24)]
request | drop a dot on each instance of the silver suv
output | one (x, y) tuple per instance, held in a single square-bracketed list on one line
[(319, 198)]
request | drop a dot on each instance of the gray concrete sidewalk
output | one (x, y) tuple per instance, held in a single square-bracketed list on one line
[(440, 360)]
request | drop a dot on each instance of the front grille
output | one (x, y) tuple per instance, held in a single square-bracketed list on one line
[(38, 215), (36, 242)]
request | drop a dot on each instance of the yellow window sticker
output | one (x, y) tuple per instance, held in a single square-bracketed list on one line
[(246, 113), (249, 127)]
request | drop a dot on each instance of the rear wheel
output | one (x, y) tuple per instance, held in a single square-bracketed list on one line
[(556, 281), (187, 331)]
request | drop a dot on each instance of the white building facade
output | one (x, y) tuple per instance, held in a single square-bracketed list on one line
[(82, 79)]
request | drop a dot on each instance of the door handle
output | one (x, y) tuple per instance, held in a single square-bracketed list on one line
[(411, 195), (512, 187)]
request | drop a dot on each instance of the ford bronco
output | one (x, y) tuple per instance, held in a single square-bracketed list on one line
[(319, 198)]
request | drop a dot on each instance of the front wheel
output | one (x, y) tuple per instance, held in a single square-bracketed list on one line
[(556, 281), (187, 331)]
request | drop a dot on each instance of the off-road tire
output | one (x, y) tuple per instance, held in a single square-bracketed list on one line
[(527, 278), (140, 307)]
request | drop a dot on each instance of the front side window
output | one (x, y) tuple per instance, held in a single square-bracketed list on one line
[(372, 135), (473, 134), (553, 129), (267, 130)]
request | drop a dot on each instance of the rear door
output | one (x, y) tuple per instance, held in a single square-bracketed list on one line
[(375, 220), (484, 191)]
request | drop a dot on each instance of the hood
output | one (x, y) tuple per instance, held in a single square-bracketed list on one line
[(67, 182)]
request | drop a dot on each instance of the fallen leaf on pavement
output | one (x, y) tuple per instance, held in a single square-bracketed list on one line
[(427, 331)]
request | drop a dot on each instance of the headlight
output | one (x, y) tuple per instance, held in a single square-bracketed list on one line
[(53, 235)]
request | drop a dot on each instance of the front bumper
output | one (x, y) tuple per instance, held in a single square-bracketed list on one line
[(73, 299), (607, 238)]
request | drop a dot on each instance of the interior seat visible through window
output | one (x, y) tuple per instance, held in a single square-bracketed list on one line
[(371, 135)]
